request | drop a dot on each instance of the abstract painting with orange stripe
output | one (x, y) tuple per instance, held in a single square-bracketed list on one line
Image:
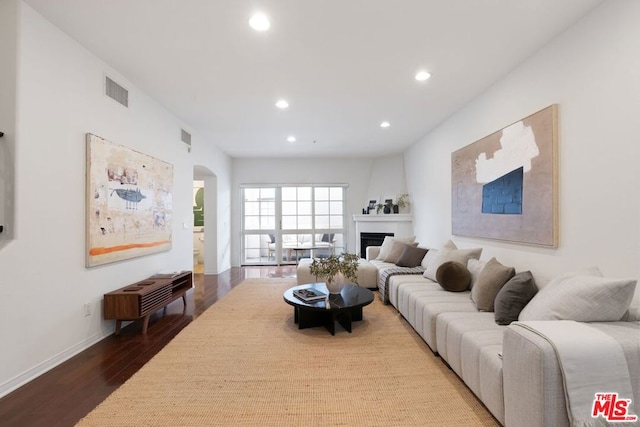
[(129, 203)]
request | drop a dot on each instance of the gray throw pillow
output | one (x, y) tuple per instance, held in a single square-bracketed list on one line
[(513, 296), (411, 256), (453, 276), (491, 279)]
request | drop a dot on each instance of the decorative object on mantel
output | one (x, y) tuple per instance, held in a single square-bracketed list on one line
[(370, 207), (504, 186), (335, 270), (402, 202), (388, 206)]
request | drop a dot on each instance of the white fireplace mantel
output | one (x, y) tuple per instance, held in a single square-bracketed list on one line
[(401, 225), (383, 218)]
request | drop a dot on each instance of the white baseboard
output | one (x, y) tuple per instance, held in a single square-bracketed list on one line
[(51, 363)]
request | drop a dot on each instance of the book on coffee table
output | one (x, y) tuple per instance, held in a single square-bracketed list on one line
[(309, 295)]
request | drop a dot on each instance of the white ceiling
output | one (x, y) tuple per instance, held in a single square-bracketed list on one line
[(343, 65)]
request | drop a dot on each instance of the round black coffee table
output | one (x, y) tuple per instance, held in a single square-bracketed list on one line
[(344, 307)]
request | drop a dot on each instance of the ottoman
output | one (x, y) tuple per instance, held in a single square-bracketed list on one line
[(367, 273)]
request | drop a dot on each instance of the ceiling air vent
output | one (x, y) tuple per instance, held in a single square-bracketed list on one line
[(116, 92), (186, 138)]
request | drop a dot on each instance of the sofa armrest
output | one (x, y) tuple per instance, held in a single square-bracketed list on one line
[(372, 252), (533, 389)]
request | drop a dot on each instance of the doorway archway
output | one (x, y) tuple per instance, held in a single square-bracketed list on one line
[(209, 229)]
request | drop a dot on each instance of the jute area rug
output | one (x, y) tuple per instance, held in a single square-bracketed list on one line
[(245, 362)]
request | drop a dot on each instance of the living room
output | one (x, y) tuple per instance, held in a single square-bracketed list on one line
[(52, 96)]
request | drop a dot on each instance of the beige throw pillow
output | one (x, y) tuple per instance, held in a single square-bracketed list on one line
[(459, 255), (396, 250), (433, 253), (388, 242), (475, 266), (491, 279)]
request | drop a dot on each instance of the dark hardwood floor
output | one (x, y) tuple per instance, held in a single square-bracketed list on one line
[(62, 396)]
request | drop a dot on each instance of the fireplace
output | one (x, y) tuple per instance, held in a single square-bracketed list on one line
[(371, 239), (378, 227)]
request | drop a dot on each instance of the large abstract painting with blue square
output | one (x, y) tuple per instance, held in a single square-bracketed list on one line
[(504, 195), (504, 186)]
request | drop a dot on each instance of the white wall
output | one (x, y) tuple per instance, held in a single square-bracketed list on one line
[(387, 178), (357, 173), (593, 72), (8, 75), (45, 283)]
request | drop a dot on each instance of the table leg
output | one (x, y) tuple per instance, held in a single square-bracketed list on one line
[(145, 324), (311, 319), (344, 318), (330, 323)]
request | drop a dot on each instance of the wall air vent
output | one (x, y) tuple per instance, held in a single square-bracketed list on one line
[(116, 92), (186, 138)]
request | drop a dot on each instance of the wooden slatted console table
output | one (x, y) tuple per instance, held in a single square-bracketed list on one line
[(141, 299)]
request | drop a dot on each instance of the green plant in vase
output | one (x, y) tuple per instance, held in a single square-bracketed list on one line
[(403, 201), (334, 270)]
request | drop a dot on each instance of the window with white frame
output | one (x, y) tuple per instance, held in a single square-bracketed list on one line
[(284, 223)]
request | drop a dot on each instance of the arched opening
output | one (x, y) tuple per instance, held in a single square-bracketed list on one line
[(205, 217)]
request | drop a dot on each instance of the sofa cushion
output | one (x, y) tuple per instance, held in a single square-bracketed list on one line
[(411, 256), (460, 255), (491, 279), (427, 309), (453, 276), (396, 251), (581, 298), (402, 281), (513, 296), (388, 242)]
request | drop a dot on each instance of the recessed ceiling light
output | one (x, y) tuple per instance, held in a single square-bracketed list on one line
[(422, 76), (385, 124), (282, 104), (291, 138), (259, 22)]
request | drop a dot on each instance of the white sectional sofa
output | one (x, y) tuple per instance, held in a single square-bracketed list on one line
[(510, 368)]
